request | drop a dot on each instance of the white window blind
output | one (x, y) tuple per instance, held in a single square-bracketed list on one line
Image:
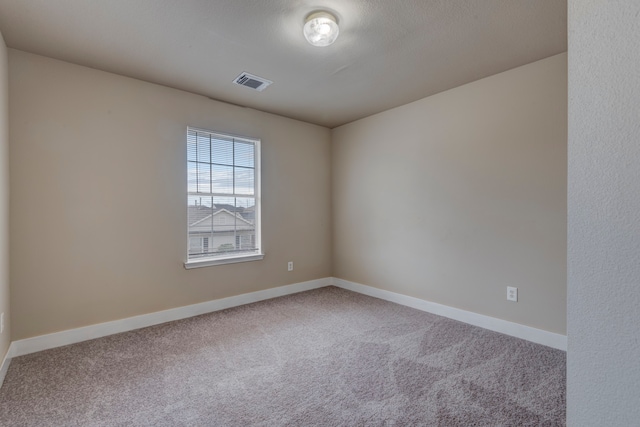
[(223, 209)]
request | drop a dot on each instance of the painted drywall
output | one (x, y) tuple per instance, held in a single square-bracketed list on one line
[(603, 369), (5, 337), (98, 197), (455, 197)]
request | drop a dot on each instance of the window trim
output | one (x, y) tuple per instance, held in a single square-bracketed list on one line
[(207, 262), (232, 259)]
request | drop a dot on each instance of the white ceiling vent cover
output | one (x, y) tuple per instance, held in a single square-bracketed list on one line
[(252, 82)]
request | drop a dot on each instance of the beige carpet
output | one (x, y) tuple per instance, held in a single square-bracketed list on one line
[(327, 357)]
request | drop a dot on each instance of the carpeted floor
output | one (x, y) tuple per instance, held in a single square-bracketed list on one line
[(327, 357)]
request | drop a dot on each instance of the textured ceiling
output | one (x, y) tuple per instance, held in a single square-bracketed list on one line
[(388, 53)]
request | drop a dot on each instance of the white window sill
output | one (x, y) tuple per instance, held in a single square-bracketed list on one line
[(197, 263)]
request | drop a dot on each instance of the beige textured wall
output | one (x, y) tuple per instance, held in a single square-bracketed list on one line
[(98, 202), (4, 199), (456, 196)]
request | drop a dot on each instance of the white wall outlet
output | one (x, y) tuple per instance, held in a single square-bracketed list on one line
[(512, 294), (1, 323), (290, 266)]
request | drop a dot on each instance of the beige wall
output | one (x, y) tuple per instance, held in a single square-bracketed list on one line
[(98, 202), (449, 199), (456, 196), (4, 199)]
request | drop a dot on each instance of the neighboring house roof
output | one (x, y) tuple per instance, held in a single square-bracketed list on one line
[(229, 208), (249, 214), (203, 219), (198, 213)]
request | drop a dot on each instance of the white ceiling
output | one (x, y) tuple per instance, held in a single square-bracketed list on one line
[(388, 53)]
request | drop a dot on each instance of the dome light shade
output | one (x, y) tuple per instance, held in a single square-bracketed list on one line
[(321, 28)]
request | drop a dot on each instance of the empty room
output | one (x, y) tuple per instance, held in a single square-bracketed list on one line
[(319, 213)]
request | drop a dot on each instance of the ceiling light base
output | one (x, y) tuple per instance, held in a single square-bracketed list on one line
[(321, 28)]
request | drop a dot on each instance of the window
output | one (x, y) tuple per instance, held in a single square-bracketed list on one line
[(223, 185)]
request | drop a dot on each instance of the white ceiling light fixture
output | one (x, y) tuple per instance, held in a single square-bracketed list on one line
[(321, 28)]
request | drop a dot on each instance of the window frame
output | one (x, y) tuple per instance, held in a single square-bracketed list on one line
[(257, 196)]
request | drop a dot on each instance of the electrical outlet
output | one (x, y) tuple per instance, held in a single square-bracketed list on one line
[(290, 266), (1, 323), (512, 294)]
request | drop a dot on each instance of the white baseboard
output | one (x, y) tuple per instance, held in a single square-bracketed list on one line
[(528, 333), (4, 367), (72, 336)]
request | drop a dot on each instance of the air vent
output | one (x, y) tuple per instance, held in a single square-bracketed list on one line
[(252, 82)]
